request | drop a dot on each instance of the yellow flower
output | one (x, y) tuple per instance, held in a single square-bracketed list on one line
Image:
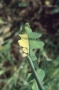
[(23, 42)]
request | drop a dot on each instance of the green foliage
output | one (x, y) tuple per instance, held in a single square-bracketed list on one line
[(22, 4), (4, 53), (41, 75), (34, 42)]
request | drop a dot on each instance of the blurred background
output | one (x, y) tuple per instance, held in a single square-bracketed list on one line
[(43, 17)]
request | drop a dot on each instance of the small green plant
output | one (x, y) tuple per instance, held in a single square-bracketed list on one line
[(29, 42)]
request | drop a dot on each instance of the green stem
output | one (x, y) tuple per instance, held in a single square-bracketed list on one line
[(35, 74)]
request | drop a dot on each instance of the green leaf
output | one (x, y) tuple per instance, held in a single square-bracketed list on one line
[(2, 72), (34, 86), (2, 22), (34, 43), (41, 74), (34, 35), (46, 87), (27, 28), (22, 4)]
